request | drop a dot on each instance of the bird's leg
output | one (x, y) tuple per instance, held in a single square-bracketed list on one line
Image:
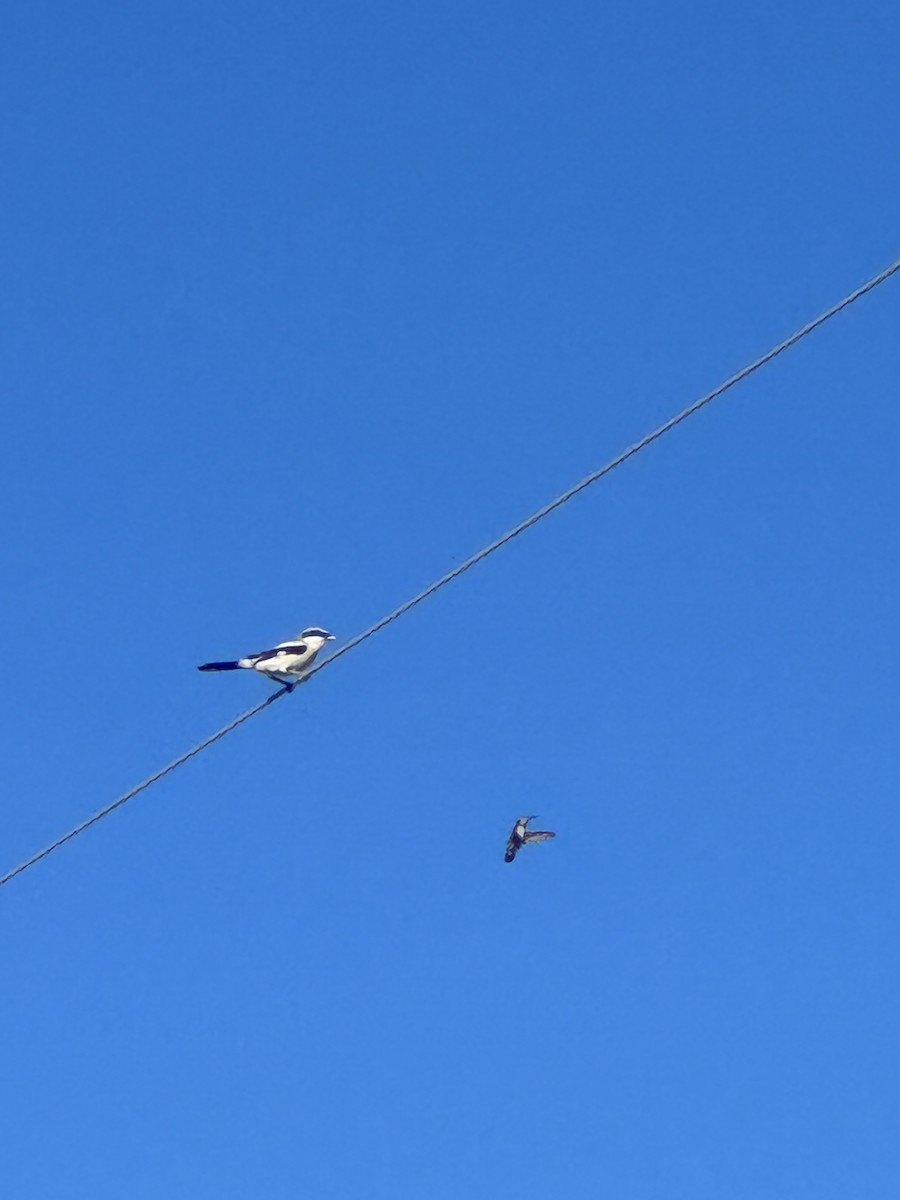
[(281, 682)]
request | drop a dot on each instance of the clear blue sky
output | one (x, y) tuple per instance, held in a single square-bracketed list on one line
[(302, 304)]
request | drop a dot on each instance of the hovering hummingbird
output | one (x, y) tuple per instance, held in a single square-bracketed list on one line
[(521, 836)]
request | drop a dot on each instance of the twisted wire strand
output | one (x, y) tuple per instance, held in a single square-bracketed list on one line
[(142, 786), (594, 476)]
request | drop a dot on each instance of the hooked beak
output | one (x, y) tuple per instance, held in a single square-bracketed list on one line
[(331, 638)]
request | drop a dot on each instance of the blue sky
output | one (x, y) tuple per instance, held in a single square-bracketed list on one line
[(303, 304)]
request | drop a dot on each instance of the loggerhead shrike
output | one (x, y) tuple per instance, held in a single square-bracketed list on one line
[(521, 836), (282, 662)]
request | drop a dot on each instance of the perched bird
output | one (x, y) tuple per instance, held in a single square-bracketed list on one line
[(521, 836), (284, 662)]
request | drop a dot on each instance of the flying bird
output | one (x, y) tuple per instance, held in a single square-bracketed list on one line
[(284, 662), (521, 836)]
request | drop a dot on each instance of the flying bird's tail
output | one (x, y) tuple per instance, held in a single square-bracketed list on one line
[(220, 666)]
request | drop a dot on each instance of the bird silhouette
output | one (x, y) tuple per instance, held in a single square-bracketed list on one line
[(521, 836)]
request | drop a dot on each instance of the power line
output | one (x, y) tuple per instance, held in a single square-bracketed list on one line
[(141, 787), (482, 554), (613, 463)]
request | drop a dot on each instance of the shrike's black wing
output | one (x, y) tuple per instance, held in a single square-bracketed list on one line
[(295, 649)]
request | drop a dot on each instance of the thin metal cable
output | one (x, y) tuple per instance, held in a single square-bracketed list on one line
[(612, 464), (104, 812), (657, 433)]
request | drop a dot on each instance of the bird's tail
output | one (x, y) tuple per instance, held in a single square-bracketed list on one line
[(220, 666)]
